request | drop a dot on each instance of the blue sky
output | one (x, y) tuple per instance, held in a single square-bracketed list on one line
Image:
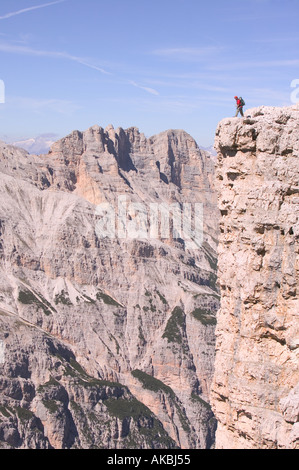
[(156, 65)]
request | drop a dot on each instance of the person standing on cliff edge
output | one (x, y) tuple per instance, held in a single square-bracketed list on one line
[(240, 103)]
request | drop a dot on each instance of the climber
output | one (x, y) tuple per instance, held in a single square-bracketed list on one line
[(240, 103)]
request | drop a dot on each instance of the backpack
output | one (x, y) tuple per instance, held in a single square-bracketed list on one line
[(242, 102)]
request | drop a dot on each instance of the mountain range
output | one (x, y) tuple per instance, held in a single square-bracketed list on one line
[(109, 340), (149, 290)]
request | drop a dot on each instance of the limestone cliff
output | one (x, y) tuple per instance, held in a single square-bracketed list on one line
[(255, 393), (109, 341)]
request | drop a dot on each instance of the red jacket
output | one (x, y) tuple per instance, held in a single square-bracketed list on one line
[(239, 103)]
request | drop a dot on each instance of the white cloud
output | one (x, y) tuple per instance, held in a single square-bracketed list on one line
[(187, 53), (25, 10), (152, 91), (24, 50), (255, 64), (41, 106)]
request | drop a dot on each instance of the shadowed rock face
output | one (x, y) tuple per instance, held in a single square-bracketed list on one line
[(255, 387), (108, 342)]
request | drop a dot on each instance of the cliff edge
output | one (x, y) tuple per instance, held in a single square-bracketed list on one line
[(255, 392)]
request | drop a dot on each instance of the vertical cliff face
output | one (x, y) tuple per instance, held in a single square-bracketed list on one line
[(256, 383)]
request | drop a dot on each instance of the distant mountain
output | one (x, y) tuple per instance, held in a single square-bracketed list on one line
[(107, 321), (38, 145), (42, 143), (209, 149)]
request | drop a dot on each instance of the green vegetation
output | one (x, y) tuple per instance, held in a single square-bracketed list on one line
[(151, 383), (149, 427), (51, 405), (141, 335), (119, 403), (204, 316), (123, 408), (162, 298), (116, 343), (156, 433), (174, 325), (201, 401), (52, 382), (107, 299), (62, 298), (27, 297), (182, 417), (24, 414), (73, 369), (93, 382), (4, 411), (214, 294), (211, 258), (213, 281), (152, 307), (77, 366), (76, 407), (87, 299)]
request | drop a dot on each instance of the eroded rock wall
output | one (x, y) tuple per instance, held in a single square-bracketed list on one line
[(255, 393)]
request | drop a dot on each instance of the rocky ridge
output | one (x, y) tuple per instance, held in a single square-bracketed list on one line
[(108, 342), (255, 387)]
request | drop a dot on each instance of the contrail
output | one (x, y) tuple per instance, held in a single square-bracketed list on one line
[(24, 10), (149, 90), (24, 50)]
